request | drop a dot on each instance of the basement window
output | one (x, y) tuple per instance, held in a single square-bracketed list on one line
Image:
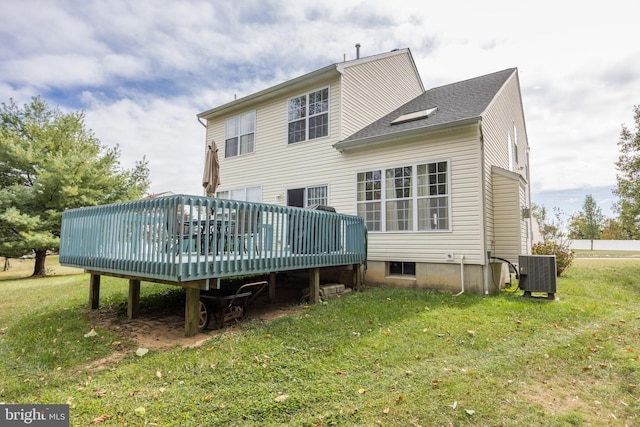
[(402, 268), (416, 115)]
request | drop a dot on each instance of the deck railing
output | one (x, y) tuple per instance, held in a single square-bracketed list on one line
[(186, 238)]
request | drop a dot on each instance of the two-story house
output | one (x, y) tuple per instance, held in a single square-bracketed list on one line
[(440, 176)]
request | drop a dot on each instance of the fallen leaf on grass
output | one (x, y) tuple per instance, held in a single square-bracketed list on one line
[(207, 398), (100, 419), (141, 352), (362, 391), (158, 374), (471, 333), (386, 410), (455, 404), (470, 411), (399, 399), (140, 411), (91, 333), (282, 398)]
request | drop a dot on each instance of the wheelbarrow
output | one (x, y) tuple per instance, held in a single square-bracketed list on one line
[(223, 305)]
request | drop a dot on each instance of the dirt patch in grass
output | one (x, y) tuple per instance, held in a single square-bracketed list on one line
[(165, 331), (565, 397)]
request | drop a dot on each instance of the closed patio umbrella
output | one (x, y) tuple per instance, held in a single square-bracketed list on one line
[(211, 176)]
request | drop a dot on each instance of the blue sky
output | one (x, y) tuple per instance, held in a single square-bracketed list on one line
[(142, 70)]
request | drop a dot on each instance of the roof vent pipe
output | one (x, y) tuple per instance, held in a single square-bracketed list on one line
[(357, 50)]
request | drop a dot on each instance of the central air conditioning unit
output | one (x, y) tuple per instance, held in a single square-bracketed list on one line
[(538, 274)]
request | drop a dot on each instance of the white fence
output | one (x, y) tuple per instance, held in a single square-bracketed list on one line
[(607, 245)]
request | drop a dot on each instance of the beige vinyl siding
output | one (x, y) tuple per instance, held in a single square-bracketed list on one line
[(278, 166), (461, 149), (374, 89), (507, 222), (525, 223), (498, 122), (275, 164)]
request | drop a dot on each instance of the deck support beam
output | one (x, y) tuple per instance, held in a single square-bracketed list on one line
[(272, 287), (314, 285), (191, 312), (94, 291), (357, 277), (133, 307)]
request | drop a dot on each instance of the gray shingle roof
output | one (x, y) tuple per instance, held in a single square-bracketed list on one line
[(456, 102)]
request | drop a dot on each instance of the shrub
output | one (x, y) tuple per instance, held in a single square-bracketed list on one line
[(564, 255)]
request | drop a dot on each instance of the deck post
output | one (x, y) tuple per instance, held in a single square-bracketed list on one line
[(314, 285), (272, 287), (356, 277), (94, 291), (133, 308), (191, 312)]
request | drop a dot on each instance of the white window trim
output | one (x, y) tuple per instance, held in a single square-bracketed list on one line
[(307, 116), (230, 190), (306, 192), (414, 174), (255, 129)]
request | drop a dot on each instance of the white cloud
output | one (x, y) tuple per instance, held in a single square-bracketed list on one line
[(142, 70)]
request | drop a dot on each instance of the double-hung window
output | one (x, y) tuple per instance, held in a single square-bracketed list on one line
[(308, 116), (433, 196), (369, 198), (408, 198), (239, 135)]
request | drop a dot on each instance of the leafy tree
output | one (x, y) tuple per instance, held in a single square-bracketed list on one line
[(555, 241), (628, 178), (50, 162), (612, 230), (587, 224)]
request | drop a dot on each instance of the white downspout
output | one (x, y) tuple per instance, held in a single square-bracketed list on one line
[(483, 193), (461, 276)]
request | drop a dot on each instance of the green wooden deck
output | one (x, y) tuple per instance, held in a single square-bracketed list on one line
[(192, 241)]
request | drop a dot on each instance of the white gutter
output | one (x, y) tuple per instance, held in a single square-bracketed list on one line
[(401, 134)]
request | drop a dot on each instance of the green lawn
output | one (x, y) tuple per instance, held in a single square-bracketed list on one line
[(378, 357)]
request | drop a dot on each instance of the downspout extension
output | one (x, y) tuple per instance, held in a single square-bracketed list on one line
[(203, 124), (461, 276)]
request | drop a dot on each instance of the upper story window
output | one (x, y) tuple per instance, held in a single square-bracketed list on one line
[(308, 116), (239, 135), (408, 198)]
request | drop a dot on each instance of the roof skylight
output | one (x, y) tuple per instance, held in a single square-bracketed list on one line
[(416, 115)]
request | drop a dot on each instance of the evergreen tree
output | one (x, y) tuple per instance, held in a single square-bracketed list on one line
[(50, 162)]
